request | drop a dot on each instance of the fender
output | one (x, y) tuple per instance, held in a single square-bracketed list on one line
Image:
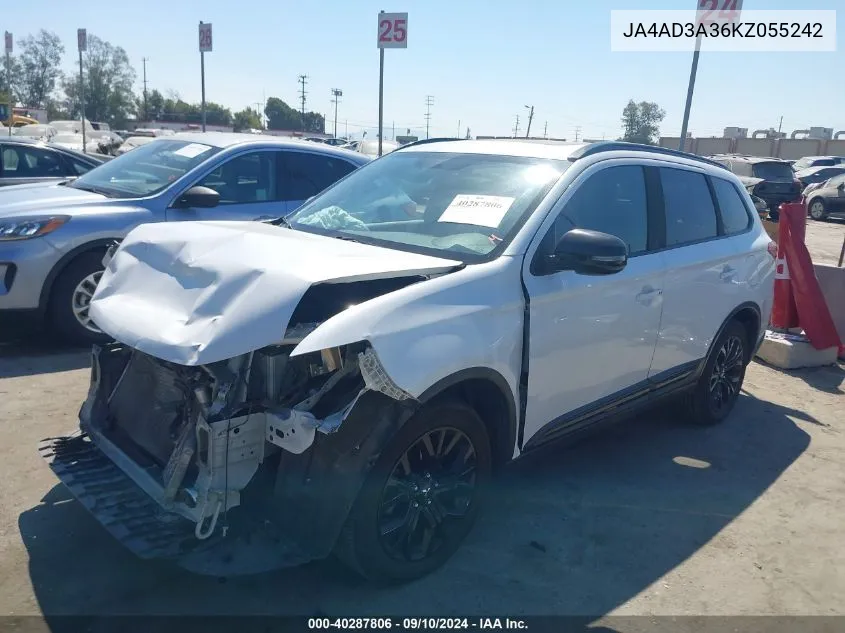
[(67, 258), (760, 328)]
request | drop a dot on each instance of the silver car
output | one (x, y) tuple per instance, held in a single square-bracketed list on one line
[(53, 238)]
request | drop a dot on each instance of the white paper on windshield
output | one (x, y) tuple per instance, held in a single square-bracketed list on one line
[(476, 209), (193, 150)]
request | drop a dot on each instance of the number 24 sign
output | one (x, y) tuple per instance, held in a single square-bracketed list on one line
[(205, 38), (393, 30)]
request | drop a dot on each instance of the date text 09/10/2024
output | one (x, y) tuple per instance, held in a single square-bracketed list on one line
[(416, 624)]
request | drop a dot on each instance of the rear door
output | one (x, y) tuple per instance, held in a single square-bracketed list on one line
[(21, 164), (710, 263), (304, 174)]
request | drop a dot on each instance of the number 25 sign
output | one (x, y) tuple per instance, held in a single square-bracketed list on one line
[(393, 30)]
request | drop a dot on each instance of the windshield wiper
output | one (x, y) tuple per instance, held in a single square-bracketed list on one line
[(281, 221), (83, 187)]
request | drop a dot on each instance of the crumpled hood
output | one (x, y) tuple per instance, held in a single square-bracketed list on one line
[(195, 293), (43, 199)]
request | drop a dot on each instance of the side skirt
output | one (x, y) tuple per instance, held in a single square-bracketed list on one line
[(619, 405)]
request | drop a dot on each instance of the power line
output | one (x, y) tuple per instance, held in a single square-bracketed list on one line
[(302, 80), (429, 101), (336, 94)]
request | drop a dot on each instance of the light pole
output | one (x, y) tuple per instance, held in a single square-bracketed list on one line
[(336, 94)]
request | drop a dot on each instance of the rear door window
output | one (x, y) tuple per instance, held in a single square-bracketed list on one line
[(735, 215), (30, 162), (690, 213), (305, 174)]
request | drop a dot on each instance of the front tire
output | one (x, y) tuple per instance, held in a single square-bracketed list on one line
[(71, 297), (817, 210), (421, 498), (717, 391)]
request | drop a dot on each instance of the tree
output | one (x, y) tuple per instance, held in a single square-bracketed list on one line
[(108, 79), (155, 105), (247, 119), (315, 122), (280, 116), (40, 59), (215, 114), (9, 93), (640, 122)]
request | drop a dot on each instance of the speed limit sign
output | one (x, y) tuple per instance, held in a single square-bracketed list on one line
[(393, 30), (205, 37)]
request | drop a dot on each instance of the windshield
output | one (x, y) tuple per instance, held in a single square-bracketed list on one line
[(447, 204), (146, 170), (780, 172)]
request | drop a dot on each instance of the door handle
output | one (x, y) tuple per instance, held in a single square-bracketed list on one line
[(647, 293)]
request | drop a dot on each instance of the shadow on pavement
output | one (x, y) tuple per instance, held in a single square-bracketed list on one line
[(574, 530), (828, 379), (28, 351)]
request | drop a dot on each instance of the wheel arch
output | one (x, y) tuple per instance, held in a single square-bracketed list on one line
[(488, 393), (88, 247), (749, 315)]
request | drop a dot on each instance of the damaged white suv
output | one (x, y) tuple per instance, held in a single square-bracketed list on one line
[(347, 380)]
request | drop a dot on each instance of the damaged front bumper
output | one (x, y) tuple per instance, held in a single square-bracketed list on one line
[(241, 491)]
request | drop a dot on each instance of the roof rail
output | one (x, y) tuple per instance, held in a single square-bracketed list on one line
[(429, 140), (617, 146)]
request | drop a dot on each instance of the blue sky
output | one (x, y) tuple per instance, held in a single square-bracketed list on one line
[(482, 61)]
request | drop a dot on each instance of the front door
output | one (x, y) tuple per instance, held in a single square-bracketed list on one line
[(248, 187), (592, 337), (304, 174), (21, 165)]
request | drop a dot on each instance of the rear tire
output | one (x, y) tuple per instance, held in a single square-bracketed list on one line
[(421, 498), (69, 299), (716, 393), (817, 210)]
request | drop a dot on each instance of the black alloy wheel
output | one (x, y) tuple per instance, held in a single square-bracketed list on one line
[(429, 490)]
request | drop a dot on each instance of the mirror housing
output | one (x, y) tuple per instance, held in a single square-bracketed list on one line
[(198, 198), (586, 252)]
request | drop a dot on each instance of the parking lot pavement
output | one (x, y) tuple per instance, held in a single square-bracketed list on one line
[(650, 517), (824, 240)]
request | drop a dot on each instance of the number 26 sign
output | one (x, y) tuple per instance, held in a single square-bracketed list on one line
[(393, 30)]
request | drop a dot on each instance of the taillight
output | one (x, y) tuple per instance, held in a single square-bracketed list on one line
[(773, 249)]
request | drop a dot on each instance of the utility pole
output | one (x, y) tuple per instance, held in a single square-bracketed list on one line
[(393, 135), (9, 80), (780, 124), (516, 127), (577, 133), (336, 94), (546, 130), (429, 101), (146, 113), (302, 80), (530, 118), (459, 129), (345, 128)]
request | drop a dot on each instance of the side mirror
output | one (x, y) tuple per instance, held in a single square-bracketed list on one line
[(198, 198), (587, 253)]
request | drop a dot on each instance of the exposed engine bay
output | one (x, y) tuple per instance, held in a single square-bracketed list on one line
[(197, 439)]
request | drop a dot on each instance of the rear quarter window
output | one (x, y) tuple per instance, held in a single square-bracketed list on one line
[(735, 215)]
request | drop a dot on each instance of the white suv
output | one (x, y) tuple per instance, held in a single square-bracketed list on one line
[(348, 380)]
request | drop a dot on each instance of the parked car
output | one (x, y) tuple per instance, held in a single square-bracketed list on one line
[(359, 380), (133, 142), (39, 132), (817, 161), (370, 148), (827, 200), (771, 179), (337, 142), (813, 175), (27, 161), (53, 238), (74, 141)]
